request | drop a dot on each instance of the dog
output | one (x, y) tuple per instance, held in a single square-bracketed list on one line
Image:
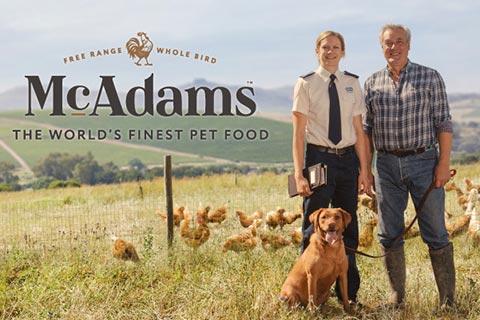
[(321, 264)]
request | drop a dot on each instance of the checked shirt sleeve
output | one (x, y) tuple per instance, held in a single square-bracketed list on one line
[(442, 120), (368, 116)]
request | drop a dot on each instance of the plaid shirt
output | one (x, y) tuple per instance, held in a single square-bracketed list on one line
[(409, 114)]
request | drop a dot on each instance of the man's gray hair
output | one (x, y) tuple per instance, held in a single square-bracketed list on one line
[(392, 26)]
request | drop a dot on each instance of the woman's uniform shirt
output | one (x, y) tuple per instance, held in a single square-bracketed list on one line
[(311, 99)]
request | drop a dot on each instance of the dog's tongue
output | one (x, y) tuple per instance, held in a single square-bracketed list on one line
[(331, 237)]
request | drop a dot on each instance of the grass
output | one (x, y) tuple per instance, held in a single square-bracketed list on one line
[(49, 275)]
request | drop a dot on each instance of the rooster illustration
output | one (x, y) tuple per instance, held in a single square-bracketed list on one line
[(140, 49)]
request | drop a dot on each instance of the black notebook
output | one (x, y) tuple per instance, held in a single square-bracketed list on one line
[(316, 176)]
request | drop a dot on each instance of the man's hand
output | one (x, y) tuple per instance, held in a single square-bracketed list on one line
[(365, 183), (303, 187), (442, 175)]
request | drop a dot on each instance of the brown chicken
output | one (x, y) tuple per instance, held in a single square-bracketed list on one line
[(462, 201), (290, 217), (296, 236), (450, 186), (243, 241), (195, 237), (140, 49), (273, 241), (470, 185), (365, 239), (459, 226), (412, 233), (247, 220), (276, 218), (124, 250), (218, 215), (370, 203), (178, 215)]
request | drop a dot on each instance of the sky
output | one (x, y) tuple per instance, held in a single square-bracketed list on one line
[(269, 43)]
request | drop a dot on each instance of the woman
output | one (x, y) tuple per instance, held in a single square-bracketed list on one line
[(327, 112)]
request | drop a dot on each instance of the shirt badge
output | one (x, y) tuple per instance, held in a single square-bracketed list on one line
[(349, 89)]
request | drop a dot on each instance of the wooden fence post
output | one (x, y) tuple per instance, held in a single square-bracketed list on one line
[(168, 197)]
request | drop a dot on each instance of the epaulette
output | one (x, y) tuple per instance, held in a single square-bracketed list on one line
[(350, 74), (307, 75)]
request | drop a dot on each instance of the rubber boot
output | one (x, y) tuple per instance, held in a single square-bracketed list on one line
[(395, 264), (444, 271)]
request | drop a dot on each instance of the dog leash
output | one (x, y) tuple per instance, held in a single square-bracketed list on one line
[(418, 208)]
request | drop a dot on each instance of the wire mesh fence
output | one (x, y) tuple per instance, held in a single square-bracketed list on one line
[(78, 217)]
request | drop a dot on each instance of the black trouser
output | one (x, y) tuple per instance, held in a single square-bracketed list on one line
[(340, 191)]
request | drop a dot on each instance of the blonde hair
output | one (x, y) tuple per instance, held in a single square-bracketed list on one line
[(391, 26), (329, 33)]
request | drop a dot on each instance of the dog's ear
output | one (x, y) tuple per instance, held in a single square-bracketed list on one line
[(347, 218), (314, 218)]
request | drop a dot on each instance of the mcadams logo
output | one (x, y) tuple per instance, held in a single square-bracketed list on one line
[(140, 48)]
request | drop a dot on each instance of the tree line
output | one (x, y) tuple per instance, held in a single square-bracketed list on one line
[(60, 170)]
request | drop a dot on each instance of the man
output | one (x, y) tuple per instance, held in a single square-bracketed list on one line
[(327, 113), (407, 119)]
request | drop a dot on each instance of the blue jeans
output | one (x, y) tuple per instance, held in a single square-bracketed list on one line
[(395, 178)]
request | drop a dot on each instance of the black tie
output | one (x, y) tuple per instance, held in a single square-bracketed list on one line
[(335, 124)]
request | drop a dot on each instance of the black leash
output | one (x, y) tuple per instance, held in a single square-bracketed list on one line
[(418, 208)]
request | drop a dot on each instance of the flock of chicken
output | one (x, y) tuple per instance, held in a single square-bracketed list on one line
[(196, 235), (468, 221)]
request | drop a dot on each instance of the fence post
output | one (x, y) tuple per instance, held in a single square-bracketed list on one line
[(167, 174)]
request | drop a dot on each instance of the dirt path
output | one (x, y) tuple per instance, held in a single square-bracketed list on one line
[(15, 155)]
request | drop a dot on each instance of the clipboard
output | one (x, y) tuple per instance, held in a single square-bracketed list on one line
[(316, 176)]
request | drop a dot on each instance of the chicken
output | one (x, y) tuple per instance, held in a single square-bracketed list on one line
[(243, 241), (140, 49), (470, 185), (450, 186), (273, 241), (462, 198), (459, 226), (412, 233), (124, 250), (366, 233), (218, 215), (178, 215), (472, 201), (474, 227), (447, 214), (195, 237), (276, 218), (246, 220), (297, 236), (370, 203), (462, 201), (290, 217)]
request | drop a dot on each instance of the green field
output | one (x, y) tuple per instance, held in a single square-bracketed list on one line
[(56, 262), (275, 149), (33, 151)]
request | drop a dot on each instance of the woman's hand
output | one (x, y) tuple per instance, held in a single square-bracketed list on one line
[(303, 187)]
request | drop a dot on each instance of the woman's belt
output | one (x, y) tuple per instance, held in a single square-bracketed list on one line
[(337, 151)]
